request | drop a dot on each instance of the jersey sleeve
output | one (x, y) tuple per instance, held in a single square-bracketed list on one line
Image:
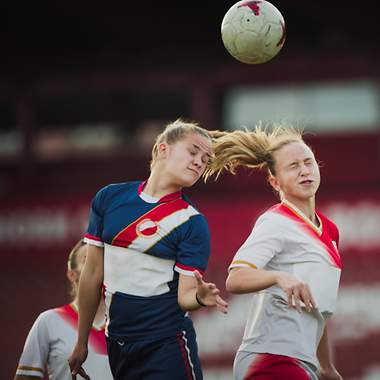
[(36, 350), (95, 224), (194, 248), (264, 242)]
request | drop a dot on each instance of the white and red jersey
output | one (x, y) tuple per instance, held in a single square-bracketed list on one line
[(284, 239), (51, 341)]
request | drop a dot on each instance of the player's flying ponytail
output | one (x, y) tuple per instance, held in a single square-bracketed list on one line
[(252, 149)]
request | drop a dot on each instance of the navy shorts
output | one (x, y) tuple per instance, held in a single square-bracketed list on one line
[(174, 358)]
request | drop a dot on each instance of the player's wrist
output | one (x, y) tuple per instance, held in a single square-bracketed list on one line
[(277, 276), (82, 341), (199, 301), (327, 367)]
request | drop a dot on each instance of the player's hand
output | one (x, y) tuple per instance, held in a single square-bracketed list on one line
[(76, 359), (208, 294), (330, 374), (296, 291)]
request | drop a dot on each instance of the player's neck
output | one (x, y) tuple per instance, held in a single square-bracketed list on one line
[(307, 207), (158, 186)]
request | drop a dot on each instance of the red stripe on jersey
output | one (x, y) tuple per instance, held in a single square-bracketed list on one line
[(88, 236), (269, 366), (325, 239), (190, 269), (130, 233), (97, 339)]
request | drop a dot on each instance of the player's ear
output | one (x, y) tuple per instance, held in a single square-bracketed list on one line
[(274, 182), (71, 275), (163, 150)]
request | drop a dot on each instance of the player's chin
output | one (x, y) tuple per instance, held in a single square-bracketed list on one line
[(307, 194), (189, 180)]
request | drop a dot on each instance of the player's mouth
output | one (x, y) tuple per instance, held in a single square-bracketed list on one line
[(194, 171), (307, 182)]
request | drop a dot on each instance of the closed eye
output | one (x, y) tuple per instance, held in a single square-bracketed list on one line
[(309, 161)]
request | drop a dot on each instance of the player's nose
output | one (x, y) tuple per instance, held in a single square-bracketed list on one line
[(305, 169), (197, 161)]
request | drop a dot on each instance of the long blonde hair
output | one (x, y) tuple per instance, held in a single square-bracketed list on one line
[(174, 132), (252, 149)]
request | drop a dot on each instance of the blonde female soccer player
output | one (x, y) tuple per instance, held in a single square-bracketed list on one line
[(149, 246), (290, 261), (51, 339)]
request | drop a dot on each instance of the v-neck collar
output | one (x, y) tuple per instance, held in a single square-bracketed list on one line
[(165, 198), (302, 215)]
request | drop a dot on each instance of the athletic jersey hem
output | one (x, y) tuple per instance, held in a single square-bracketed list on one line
[(265, 350)]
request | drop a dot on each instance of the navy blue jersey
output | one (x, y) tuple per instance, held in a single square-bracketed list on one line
[(146, 245)]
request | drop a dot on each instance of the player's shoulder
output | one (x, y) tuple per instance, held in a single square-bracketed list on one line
[(116, 188), (270, 222), (191, 209), (328, 224), (51, 322), (272, 215), (48, 313), (187, 202), (47, 317), (325, 219), (192, 220)]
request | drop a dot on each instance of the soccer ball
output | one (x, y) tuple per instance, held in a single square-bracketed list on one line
[(253, 31)]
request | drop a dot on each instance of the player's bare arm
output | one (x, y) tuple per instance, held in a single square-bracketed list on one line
[(194, 292), (328, 370), (248, 280), (89, 296)]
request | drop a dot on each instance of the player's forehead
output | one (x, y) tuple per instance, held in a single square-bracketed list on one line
[(294, 151), (199, 142)]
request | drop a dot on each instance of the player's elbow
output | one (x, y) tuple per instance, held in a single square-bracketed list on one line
[(234, 284), (181, 303)]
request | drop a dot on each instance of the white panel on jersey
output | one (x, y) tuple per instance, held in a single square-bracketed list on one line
[(49, 343), (136, 273), (280, 244), (323, 281), (93, 242), (255, 312), (165, 226)]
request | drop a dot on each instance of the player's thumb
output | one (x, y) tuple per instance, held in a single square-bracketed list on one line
[(198, 277)]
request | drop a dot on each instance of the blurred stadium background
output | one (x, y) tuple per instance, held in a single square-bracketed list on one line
[(84, 89)]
